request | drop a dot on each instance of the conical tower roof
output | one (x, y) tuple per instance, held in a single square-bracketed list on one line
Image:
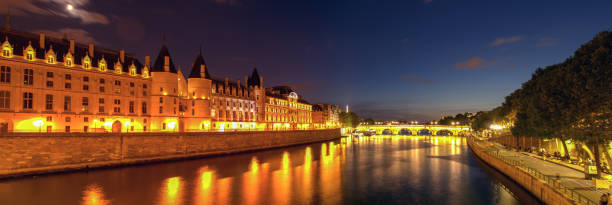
[(159, 62), (195, 70), (254, 80)]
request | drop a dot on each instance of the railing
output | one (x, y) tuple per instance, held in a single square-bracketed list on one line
[(551, 181)]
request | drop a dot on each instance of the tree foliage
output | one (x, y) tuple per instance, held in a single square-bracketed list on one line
[(349, 119)]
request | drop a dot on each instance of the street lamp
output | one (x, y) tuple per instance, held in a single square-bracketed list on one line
[(39, 124)]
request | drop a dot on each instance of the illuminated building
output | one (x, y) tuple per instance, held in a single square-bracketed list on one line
[(326, 116), (59, 85), (285, 110)]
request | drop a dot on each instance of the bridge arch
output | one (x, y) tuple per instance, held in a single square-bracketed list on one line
[(387, 132), (444, 132), (424, 132), (405, 131)]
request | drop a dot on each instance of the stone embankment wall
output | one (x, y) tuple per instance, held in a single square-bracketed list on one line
[(34, 153), (532, 184)]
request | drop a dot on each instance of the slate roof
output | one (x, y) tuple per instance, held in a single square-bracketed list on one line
[(195, 69), (254, 79), (158, 66), (21, 39)]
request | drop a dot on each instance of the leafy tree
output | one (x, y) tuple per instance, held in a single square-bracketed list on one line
[(369, 121), (349, 119)]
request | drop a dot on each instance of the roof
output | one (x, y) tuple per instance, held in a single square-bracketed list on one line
[(254, 80), (159, 62), (195, 70), (21, 39)]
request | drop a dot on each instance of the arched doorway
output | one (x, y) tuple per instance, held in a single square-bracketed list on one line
[(116, 126)]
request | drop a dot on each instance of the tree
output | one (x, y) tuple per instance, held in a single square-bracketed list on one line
[(349, 119), (369, 121)]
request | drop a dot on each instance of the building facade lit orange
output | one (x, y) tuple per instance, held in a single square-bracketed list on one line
[(58, 85)]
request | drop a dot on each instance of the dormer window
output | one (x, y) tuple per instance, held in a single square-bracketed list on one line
[(145, 73), (30, 55), (118, 68), (7, 50), (68, 62), (86, 62), (133, 70), (51, 59), (102, 65)]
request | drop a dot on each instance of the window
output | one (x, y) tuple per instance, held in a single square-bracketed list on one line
[(67, 85), (68, 61), (144, 86), (131, 108), (49, 84), (144, 108), (5, 99), (102, 81), (85, 87), (28, 76), (131, 84), (161, 109), (101, 109), (67, 119), (117, 102), (163, 126), (86, 119), (85, 104), (101, 89), (101, 100), (27, 100), (6, 51), (5, 74), (161, 100), (116, 109), (175, 101), (85, 78), (49, 119), (67, 103), (48, 102), (68, 77), (51, 59), (117, 82), (49, 74)]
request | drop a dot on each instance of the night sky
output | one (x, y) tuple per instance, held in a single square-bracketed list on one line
[(390, 60)]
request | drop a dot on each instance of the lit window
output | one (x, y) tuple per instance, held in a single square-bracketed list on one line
[(68, 61), (30, 55), (102, 65), (7, 50), (51, 59)]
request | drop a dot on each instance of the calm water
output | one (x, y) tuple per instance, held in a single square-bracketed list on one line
[(367, 170)]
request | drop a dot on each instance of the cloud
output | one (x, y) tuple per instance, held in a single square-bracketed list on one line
[(53, 7), (79, 35), (548, 42), (505, 40), (427, 1), (415, 79), (473, 63)]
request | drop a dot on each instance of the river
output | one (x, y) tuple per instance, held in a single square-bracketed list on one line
[(353, 170)]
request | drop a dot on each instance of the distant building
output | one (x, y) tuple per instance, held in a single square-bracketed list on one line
[(285, 109), (327, 116)]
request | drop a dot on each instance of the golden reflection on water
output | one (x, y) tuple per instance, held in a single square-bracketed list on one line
[(275, 178), (93, 195), (171, 193), (203, 192)]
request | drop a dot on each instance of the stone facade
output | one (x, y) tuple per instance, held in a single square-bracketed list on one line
[(32, 153)]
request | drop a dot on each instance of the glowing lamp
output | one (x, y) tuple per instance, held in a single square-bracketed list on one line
[(496, 127), (172, 125), (69, 7), (38, 123)]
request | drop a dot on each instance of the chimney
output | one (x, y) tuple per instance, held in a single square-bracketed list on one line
[(238, 83), (42, 40), (245, 81), (147, 61), (167, 63), (261, 81), (71, 46), (91, 49), (122, 55), (202, 71)]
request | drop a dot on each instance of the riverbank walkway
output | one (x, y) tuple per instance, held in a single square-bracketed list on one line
[(564, 178)]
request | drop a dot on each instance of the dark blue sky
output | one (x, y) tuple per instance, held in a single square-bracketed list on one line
[(409, 59)]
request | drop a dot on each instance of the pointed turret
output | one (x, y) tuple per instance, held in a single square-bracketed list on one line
[(164, 62), (199, 69), (254, 80)]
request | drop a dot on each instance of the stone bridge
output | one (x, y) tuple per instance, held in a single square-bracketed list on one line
[(434, 130)]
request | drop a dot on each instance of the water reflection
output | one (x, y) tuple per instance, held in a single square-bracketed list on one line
[(353, 170)]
